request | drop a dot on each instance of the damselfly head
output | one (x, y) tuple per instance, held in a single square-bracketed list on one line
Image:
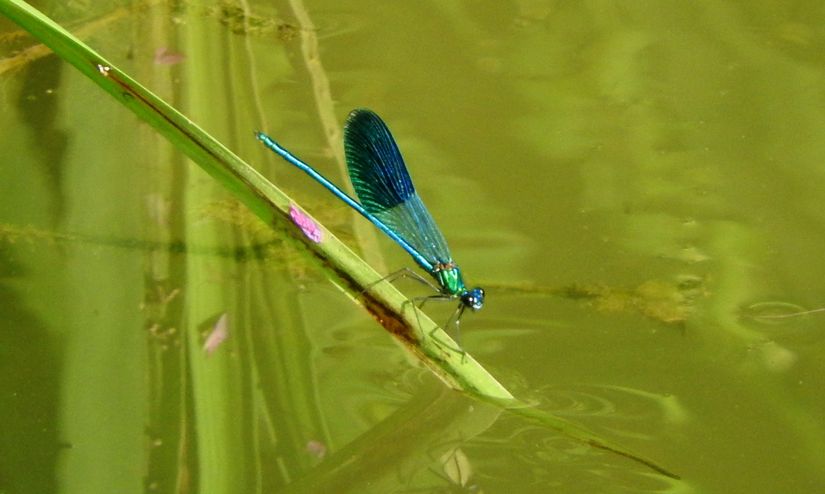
[(473, 299)]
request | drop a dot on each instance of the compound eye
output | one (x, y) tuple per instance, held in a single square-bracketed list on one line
[(474, 299)]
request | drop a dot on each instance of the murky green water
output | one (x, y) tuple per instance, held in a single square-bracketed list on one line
[(638, 185)]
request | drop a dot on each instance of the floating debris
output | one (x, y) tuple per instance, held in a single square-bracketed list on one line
[(667, 302), (219, 334)]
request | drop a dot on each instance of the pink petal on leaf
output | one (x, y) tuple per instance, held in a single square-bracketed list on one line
[(305, 223)]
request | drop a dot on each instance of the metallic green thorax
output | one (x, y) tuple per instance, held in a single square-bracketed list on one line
[(452, 285), (449, 278)]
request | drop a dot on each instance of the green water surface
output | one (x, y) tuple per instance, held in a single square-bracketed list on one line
[(637, 184)]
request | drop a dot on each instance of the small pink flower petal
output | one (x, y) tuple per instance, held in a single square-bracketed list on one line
[(305, 223), (219, 333), (317, 449), (165, 57)]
